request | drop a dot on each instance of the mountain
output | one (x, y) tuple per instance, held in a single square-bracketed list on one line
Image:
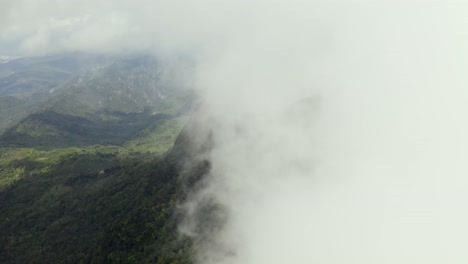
[(105, 106), (29, 76), (33, 80), (93, 163)]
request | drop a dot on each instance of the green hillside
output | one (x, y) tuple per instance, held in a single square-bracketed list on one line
[(93, 172), (29, 76), (92, 205), (33, 80), (108, 107)]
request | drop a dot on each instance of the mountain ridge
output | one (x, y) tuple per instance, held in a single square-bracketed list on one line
[(94, 173), (126, 96)]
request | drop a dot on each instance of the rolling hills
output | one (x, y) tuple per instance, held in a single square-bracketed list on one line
[(106, 106)]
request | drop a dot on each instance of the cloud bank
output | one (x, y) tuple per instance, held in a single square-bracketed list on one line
[(340, 132)]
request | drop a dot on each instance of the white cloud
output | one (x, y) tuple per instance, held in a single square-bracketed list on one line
[(376, 175)]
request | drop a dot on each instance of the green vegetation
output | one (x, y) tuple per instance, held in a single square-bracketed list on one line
[(99, 204), (51, 130), (156, 140), (91, 172), (12, 110), (159, 137), (109, 106)]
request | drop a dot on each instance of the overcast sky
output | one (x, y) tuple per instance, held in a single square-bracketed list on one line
[(38, 27)]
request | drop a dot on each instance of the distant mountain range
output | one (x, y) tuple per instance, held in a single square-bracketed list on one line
[(81, 99)]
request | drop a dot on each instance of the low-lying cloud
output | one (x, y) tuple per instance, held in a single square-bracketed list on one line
[(340, 131)]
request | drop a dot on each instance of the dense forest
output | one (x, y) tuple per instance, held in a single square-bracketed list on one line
[(99, 182), (125, 213)]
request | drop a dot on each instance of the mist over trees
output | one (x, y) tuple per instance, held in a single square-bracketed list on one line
[(320, 131)]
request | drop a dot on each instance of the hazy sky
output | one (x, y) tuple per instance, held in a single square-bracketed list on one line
[(53, 25), (42, 26), (339, 125)]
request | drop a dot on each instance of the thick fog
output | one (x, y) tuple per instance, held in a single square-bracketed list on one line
[(340, 134), (340, 127)]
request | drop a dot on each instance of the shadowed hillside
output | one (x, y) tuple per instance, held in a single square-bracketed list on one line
[(108, 107)]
